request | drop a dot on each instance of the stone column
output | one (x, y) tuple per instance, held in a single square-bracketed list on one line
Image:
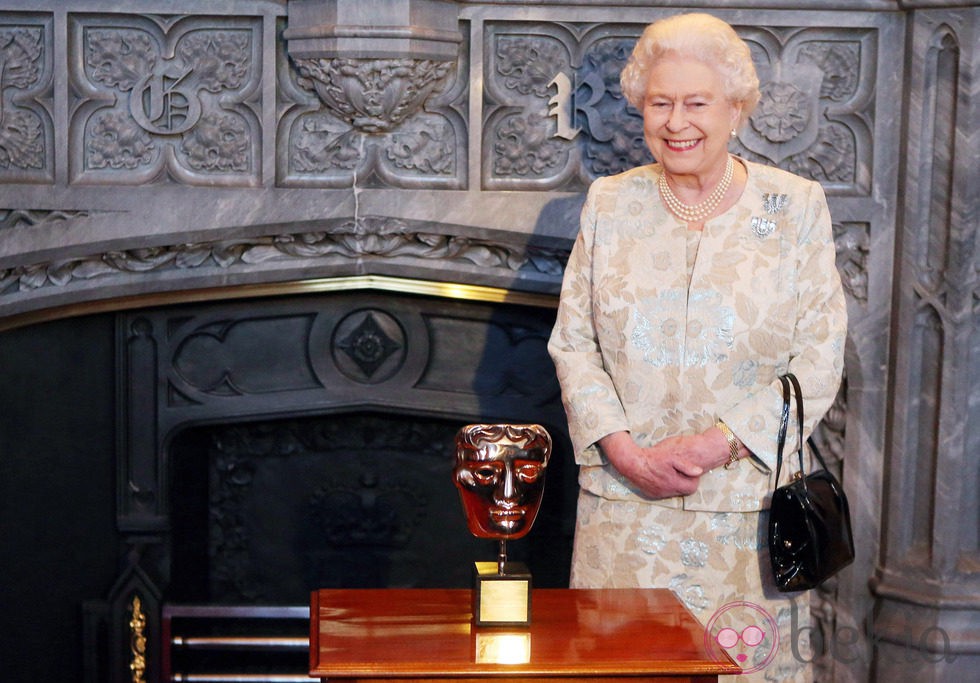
[(927, 586)]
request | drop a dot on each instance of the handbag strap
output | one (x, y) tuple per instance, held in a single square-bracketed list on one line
[(783, 425), (787, 380), (799, 409)]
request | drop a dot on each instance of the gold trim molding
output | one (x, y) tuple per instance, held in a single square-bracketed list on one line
[(445, 290), (137, 640)]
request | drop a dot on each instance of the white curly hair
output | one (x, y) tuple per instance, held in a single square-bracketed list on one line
[(700, 36)]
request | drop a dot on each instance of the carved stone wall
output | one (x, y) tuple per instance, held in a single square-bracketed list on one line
[(178, 151), (249, 149), (928, 578)]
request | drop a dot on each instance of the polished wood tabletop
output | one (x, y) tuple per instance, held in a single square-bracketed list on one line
[(575, 634)]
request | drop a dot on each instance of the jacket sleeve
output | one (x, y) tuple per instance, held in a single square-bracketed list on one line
[(591, 402), (816, 354)]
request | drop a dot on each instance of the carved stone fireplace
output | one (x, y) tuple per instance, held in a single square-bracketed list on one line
[(377, 199)]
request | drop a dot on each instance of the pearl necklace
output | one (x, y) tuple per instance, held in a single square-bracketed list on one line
[(700, 211)]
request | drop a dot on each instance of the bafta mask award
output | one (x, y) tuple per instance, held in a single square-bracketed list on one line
[(500, 472)]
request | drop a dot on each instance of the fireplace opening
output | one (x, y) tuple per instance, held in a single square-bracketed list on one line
[(308, 442), (263, 513)]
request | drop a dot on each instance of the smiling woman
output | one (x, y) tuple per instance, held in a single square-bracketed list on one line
[(693, 284)]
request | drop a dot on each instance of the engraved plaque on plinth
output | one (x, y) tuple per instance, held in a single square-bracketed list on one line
[(501, 598)]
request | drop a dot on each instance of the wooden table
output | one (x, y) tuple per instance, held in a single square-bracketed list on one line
[(385, 635)]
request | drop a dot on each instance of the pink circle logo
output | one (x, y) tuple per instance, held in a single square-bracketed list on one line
[(744, 631)]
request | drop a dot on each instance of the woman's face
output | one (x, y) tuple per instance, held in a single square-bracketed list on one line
[(687, 120)]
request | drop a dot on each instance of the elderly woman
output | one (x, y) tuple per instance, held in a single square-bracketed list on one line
[(693, 284)]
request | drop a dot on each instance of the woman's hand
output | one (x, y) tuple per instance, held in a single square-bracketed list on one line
[(661, 471), (672, 467)]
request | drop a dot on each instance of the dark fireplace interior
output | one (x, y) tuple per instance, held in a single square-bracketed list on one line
[(353, 500)]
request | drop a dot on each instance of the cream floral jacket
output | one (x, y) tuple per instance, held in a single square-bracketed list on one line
[(637, 349)]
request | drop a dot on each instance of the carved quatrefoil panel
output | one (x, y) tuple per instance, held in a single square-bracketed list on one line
[(555, 116), (816, 115), (155, 98)]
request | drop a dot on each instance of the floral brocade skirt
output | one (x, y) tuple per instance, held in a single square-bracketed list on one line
[(717, 564)]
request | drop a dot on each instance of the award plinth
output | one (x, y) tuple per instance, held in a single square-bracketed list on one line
[(501, 594)]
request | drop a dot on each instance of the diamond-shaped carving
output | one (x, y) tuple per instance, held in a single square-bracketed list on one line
[(369, 345)]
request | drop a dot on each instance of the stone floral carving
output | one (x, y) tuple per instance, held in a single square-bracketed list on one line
[(424, 145), (810, 118), (218, 142), (367, 237), (528, 65), (623, 147), (321, 142), (840, 63), (140, 102), (389, 237), (372, 95), (21, 50), (830, 159), (119, 58), (21, 130), (783, 112), (525, 147), (626, 149), (789, 128), (373, 121), (564, 108), (523, 142), (607, 57), (428, 146), (21, 141), (116, 142)]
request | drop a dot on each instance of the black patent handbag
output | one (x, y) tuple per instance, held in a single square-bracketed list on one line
[(810, 536)]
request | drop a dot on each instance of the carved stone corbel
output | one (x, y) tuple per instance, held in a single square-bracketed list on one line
[(373, 95), (375, 67)]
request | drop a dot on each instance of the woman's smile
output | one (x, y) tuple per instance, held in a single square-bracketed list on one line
[(682, 145)]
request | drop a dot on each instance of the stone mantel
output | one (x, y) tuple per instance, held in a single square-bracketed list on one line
[(291, 160), (268, 152)]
